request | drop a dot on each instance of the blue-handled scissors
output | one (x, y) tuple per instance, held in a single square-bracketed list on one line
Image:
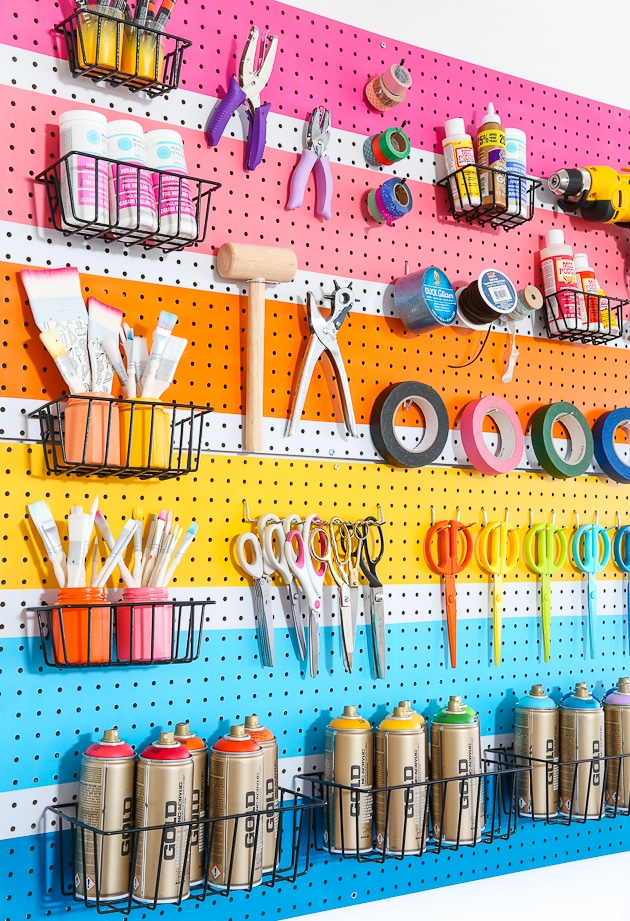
[(621, 551), (590, 548)]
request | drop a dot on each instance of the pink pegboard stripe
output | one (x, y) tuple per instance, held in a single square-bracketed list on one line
[(323, 61)]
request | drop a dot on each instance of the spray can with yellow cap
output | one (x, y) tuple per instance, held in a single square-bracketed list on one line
[(581, 747), (235, 778), (617, 740), (269, 744), (102, 863), (199, 753), (457, 807), (400, 757), (348, 765), (164, 792), (536, 740)]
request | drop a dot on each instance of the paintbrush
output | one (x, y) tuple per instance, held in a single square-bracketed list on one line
[(57, 303), (137, 546), (78, 543), (67, 368), (173, 351), (111, 349), (115, 557), (164, 14), (166, 322), (42, 518), (103, 322), (187, 540), (108, 539)]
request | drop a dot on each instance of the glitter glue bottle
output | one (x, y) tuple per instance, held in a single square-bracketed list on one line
[(389, 89)]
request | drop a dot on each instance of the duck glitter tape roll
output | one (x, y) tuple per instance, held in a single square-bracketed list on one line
[(383, 430), (581, 446), (425, 300)]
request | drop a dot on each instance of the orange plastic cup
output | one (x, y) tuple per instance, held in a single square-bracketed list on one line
[(99, 43), (81, 635), (148, 63), (92, 431)]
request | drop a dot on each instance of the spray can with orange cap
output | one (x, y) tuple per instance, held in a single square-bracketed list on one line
[(269, 744), (199, 753)]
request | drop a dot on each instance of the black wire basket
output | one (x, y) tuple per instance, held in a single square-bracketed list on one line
[(593, 319), (508, 201), (110, 50)]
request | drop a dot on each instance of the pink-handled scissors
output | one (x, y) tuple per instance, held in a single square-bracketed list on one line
[(311, 579)]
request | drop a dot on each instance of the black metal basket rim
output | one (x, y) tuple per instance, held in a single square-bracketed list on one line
[(557, 763), (534, 181), (91, 11), (315, 778), (619, 301), (154, 404), (46, 608), (42, 177)]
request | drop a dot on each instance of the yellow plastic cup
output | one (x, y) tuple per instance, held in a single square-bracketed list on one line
[(145, 434), (148, 63), (99, 42)]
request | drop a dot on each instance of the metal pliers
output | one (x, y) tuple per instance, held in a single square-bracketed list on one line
[(251, 81), (314, 158), (324, 339)]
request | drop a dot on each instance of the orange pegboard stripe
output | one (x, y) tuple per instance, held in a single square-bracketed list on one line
[(376, 350)]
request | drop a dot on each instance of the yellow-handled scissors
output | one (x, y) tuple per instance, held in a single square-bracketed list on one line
[(498, 547)]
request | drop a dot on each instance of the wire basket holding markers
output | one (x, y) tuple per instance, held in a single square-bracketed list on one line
[(106, 45)]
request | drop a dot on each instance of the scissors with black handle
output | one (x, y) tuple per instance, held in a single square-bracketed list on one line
[(368, 563)]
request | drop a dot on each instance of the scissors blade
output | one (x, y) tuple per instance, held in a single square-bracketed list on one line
[(450, 592), (265, 620), (347, 627), (313, 641), (591, 607), (497, 614), (378, 629), (545, 613), (298, 621)]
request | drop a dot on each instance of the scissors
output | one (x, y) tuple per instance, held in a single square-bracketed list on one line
[(260, 568), (621, 550), (311, 579), (368, 564), (454, 550), (590, 548), (545, 551), (274, 547), (336, 558), (498, 547)]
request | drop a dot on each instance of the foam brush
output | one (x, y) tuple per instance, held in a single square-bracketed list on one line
[(187, 540), (142, 355), (132, 391), (42, 518), (94, 560), (173, 351), (78, 543), (108, 539), (67, 368), (166, 322), (57, 303), (115, 557), (111, 348), (103, 322)]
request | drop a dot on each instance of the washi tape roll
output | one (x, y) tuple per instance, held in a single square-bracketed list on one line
[(386, 148), (425, 300), (382, 425), (389, 205), (511, 442), (388, 89), (604, 444), (580, 451)]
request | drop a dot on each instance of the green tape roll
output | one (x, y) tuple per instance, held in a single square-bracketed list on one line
[(581, 452), (394, 144)]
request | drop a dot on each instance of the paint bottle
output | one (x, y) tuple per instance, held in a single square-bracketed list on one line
[(560, 282), (131, 199), (598, 314), (491, 154), (177, 214), (516, 164), (84, 180), (459, 153)]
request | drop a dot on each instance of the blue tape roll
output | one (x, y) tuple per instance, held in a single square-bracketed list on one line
[(604, 444), (425, 300), (396, 204)]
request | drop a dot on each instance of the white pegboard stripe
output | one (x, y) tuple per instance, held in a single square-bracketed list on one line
[(405, 605)]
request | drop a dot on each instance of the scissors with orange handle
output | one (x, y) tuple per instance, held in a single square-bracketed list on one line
[(498, 547), (454, 550)]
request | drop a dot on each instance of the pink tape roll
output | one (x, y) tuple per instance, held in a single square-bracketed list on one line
[(510, 435)]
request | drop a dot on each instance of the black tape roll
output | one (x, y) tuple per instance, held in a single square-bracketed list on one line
[(436, 426)]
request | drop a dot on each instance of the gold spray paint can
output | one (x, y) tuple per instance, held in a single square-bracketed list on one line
[(617, 740), (164, 792), (269, 744), (536, 738), (400, 752), (457, 807), (348, 761), (199, 753), (102, 863), (581, 740), (235, 778)]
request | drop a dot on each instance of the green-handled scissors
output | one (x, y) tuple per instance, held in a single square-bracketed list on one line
[(545, 551), (498, 546), (590, 548)]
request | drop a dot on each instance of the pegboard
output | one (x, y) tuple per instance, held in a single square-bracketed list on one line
[(51, 716)]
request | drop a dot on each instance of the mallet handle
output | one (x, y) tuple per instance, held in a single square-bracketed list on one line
[(255, 374)]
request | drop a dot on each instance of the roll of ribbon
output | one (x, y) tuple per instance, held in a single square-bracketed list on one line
[(529, 300), (386, 148), (580, 451), (389, 202), (388, 89), (483, 301), (386, 440), (425, 300), (511, 442), (604, 444)]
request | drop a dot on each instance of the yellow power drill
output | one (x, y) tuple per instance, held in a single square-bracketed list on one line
[(599, 192)]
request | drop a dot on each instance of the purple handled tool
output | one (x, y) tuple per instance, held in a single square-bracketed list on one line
[(314, 159), (251, 81)]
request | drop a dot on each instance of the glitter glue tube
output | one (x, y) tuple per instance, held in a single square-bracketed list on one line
[(177, 213), (132, 202), (84, 180), (387, 90)]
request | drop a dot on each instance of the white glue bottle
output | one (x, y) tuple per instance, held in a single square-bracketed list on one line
[(560, 282), (84, 180), (515, 164), (599, 316), (131, 199), (459, 152), (176, 210)]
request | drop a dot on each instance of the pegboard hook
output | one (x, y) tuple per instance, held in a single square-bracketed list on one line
[(577, 519), (381, 517), (432, 515), (246, 515), (484, 516), (618, 520)]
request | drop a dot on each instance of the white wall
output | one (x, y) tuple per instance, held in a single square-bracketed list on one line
[(570, 45)]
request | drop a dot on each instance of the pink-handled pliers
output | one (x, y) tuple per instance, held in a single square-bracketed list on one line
[(314, 159)]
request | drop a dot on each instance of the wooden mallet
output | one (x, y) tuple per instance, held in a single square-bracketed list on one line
[(258, 265)]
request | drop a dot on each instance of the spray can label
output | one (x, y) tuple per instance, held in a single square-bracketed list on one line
[(348, 761)]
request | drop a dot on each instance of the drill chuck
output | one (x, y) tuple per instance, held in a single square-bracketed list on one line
[(569, 183)]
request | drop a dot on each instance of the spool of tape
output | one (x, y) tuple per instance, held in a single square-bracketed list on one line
[(388, 89), (529, 300), (511, 442), (396, 197), (604, 444), (436, 427), (393, 145), (581, 440), (425, 300)]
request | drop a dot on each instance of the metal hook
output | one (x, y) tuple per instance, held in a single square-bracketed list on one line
[(507, 515), (432, 515), (618, 520), (577, 519), (553, 516), (246, 515), (531, 518), (596, 518), (485, 517), (457, 513), (380, 514)]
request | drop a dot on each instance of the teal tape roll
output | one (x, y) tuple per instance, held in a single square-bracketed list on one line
[(581, 452), (394, 145)]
